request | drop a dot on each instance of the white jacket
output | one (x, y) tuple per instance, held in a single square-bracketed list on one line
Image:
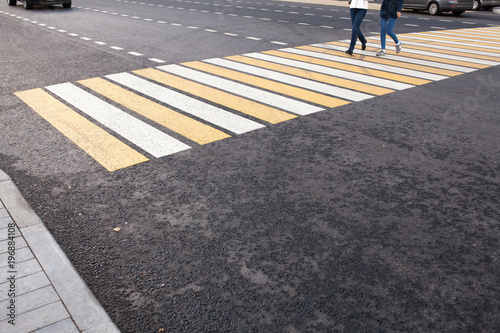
[(360, 4)]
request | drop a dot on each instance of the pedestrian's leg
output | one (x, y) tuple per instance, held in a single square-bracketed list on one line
[(357, 16), (383, 32), (390, 32), (361, 37)]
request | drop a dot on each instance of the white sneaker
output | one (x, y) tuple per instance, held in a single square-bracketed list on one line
[(398, 47), (381, 53)]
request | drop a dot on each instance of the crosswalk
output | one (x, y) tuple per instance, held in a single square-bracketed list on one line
[(125, 119)]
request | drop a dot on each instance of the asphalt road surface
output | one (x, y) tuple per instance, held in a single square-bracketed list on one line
[(254, 191)]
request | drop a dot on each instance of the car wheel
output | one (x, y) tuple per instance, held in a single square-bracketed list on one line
[(434, 8), (67, 4), (28, 4), (457, 12), (476, 4), (12, 2)]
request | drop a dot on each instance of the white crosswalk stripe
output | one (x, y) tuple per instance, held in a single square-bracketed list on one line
[(293, 80), (389, 69), (329, 70), (288, 104), (143, 135), (217, 116)]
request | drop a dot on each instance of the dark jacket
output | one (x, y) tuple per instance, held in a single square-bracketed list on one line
[(390, 8)]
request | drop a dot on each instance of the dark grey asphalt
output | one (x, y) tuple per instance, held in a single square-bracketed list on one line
[(378, 216)]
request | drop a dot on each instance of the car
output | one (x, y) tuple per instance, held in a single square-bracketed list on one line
[(436, 7), (28, 4), (485, 4)]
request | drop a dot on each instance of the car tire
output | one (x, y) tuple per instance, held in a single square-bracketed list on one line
[(12, 2), (67, 4), (457, 12), (434, 8), (27, 4)]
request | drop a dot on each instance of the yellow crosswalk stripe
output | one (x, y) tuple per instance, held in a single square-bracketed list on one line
[(458, 53), (285, 89), (102, 146), (368, 88), (457, 39), (343, 66), (395, 63), (479, 36), (175, 121), (237, 103), (441, 60)]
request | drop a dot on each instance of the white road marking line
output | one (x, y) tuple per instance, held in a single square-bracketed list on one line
[(138, 132), (448, 48), (157, 60), (236, 88), (331, 71), (449, 56), (429, 36), (208, 112), (385, 68), (292, 80)]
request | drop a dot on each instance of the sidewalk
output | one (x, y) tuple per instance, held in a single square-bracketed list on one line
[(40, 291)]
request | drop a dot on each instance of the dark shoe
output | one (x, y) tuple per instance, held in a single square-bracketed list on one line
[(363, 46), (349, 52)]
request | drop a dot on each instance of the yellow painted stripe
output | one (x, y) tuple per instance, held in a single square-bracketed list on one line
[(368, 88), (452, 39), (395, 63), (285, 89), (102, 146), (188, 127), (346, 67), (458, 53), (237, 103), (440, 60), (472, 34)]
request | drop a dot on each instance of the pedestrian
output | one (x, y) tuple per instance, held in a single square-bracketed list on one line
[(358, 12), (390, 11)]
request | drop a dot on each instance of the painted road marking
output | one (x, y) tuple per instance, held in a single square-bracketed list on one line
[(281, 88), (254, 109), (207, 112), (141, 134), (443, 48), (381, 78), (293, 80), (398, 62), (262, 96), (175, 121), (110, 152), (390, 69), (205, 101), (274, 63)]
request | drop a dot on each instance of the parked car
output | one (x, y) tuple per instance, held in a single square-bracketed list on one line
[(485, 4), (28, 4), (436, 7)]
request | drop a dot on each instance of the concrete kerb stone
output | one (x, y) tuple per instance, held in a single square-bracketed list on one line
[(83, 307)]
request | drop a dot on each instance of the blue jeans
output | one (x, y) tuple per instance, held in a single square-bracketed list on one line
[(386, 26), (357, 16)]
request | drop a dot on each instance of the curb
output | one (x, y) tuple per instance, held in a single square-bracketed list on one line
[(73, 307)]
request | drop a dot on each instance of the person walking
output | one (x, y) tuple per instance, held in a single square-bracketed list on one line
[(358, 12), (390, 11)]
